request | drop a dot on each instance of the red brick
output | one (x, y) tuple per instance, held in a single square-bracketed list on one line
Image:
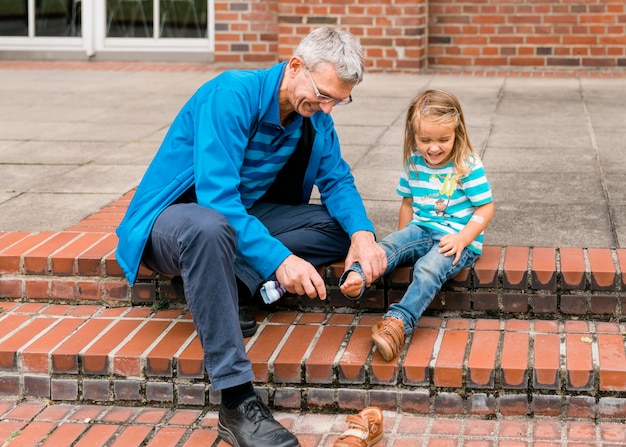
[(166, 436), (127, 359), (603, 272), (9, 347), (449, 363), (547, 354), (88, 290), (33, 433), (572, 268), (62, 290), (514, 361), (111, 267), (191, 360), (98, 435), (132, 435), (36, 259), (382, 371), (200, 438), (90, 261), (10, 322), (84, 310), (515, 267), (11, 237), (352, 362), (9, 428), (159, 359), (612, 362), (10, 288), (319, 365), (416, 365), (26, 410), (57, 310), (95, 359), (65, 357), (11, 257), (263, 348), (579, 362), (36, 289), (31, 308), (481, 361), (487, 266), (35, 356), (116, 290), (63, 261), (543, 269), (65, 434)]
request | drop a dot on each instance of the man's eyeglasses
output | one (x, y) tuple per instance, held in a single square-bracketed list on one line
[(327, 99)]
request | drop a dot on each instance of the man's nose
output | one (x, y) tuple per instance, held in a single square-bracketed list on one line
[(327, 107)]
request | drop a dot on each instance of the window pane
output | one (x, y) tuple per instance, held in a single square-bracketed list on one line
[(13, 18), (129, 18), (53, 17), (183, 18)]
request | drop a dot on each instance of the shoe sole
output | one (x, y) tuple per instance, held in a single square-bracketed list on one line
[(383, 347), (250, 331), (226, 435), (351, 443)]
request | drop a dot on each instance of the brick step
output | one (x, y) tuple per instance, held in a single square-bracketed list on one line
[(318, 361), (79, 267)]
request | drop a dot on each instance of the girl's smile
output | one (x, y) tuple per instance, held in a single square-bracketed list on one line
[(435, 142)]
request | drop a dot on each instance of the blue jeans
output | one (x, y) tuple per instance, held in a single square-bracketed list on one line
[(198, 244), (431, 269)]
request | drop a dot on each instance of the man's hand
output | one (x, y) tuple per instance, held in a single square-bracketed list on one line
[(299, 276), (365, 250)]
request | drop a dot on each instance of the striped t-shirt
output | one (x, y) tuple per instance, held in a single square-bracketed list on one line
[(441, 200), (267, 153)]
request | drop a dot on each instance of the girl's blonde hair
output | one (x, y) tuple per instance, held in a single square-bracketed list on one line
[(441, 107)]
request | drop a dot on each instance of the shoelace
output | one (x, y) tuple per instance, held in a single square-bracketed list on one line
[(256, 411)]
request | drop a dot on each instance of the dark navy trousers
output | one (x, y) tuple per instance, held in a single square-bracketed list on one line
[(198, 244)]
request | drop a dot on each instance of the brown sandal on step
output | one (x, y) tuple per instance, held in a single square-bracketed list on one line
[(364, 429)]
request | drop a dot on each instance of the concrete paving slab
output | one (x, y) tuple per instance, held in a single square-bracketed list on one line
[(547, 188), (36, 211), (23, 177), (92, 178), (553, 148), (54, 152), (523, 160), (536, 224), (619, 216)]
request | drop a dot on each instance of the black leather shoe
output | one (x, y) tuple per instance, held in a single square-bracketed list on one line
[(252, 425), (247, 322)]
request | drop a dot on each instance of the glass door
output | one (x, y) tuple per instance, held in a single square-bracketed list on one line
[(108, 25), (48, 18), (157, 18)]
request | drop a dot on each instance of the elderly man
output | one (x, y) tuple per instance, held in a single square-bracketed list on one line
[(224, 205)]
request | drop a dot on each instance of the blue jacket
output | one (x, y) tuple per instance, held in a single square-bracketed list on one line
[(205, 147)]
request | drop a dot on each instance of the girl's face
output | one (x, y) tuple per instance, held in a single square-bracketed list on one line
[(435, 142)]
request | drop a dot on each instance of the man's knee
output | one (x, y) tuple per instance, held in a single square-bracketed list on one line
[(208, 229)]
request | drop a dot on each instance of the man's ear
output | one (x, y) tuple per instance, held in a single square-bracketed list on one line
[(295, 64)]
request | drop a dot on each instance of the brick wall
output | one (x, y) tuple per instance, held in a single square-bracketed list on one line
[(540, 33), (392, 32), (410, 35)]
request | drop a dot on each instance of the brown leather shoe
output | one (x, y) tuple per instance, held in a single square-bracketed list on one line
[(388, 336), (364, 429)]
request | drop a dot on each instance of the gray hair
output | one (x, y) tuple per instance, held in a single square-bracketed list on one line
[(335, 46)]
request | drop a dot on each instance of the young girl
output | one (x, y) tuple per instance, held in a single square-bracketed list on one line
[(446, 205)]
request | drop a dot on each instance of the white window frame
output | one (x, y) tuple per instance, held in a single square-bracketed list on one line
[(94, 42)]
